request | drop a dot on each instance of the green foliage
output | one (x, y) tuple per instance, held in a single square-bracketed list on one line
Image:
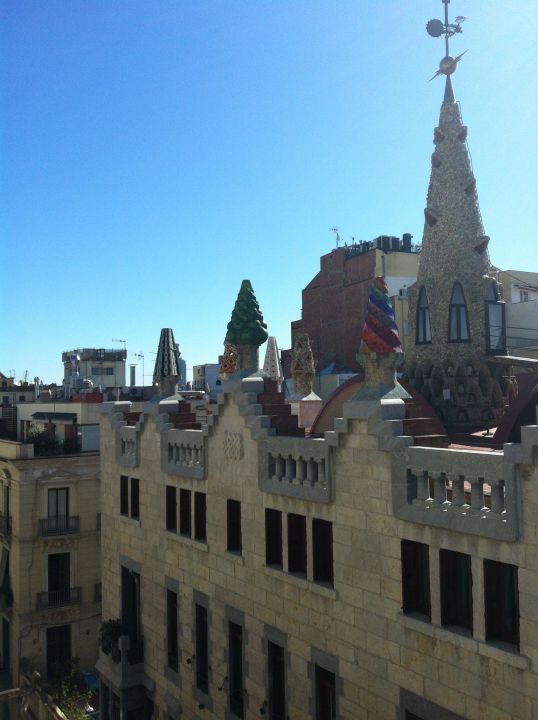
[(45, 445), (68, 690), (109, 634), (246, 326)]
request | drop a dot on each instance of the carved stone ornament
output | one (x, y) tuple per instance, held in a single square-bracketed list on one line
[(302, 365), (228, 364), (233, 446)]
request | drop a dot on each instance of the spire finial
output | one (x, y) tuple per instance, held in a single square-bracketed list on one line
[(436, 28)]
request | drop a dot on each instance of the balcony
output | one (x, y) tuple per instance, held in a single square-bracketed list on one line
[(59, 598), (122, 662), (5, 525), (59, 525)]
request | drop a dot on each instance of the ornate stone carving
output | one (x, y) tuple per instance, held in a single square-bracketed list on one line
[(228, 364), (302, 365), (233, 446)]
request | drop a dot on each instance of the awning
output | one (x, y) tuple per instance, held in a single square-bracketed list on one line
[(54, 416)]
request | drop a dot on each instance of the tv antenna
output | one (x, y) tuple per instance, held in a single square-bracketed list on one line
[(338, 238)]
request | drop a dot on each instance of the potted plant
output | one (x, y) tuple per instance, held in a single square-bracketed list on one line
[(109, 634)]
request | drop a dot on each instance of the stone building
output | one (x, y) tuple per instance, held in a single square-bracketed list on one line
[(353, 575), (50, 589)]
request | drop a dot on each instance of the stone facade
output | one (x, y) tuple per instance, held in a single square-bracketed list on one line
[(345, 627), (33, 528)]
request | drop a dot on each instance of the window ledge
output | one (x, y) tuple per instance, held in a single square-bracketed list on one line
[(235, 556), (315, 587), (131, 520), (184, 540), (490, 650)]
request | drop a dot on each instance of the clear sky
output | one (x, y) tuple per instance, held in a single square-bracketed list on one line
[(156, 152)]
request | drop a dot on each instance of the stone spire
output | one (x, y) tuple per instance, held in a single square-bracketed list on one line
[(246, 330), (167, 372), (272, 365), (454, 248)]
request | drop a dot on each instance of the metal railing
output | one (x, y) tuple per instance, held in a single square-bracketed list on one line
[(59, 525), (59, 598)]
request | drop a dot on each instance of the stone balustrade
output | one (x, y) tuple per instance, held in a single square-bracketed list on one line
[(296, 467), (127, 439), (465, 491), (183, 452)]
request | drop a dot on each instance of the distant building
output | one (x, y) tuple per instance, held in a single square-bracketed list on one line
[(205, 376), (6, 381), (100, 366), (520, 290), (50, 592), (334, 302)]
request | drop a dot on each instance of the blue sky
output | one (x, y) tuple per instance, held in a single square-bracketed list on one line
[(154, 154)]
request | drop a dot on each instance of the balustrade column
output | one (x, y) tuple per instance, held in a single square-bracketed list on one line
[(423, 486), (497, 496), (458, 492), (300, 471), (290, 469), (321, 473), (311, 471), (439, 488), (477, 496), (279, 467)]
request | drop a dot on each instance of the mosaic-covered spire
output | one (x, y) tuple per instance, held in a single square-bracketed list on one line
[(380, 332), (167, 372), (246, 330)]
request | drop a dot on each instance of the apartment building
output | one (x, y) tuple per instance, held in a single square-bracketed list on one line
[(50, 566)]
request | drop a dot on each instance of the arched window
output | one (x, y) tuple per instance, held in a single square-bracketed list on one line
[(424, 328), (495, 321), (458, 320)]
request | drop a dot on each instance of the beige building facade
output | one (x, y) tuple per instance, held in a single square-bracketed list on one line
[(352, 576), (50, 564)]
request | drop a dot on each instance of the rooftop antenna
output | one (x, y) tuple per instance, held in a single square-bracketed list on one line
[(338, 238), (141, 356), (121, 341), (436, 28)]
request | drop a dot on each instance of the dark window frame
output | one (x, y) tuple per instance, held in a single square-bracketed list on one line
[(124, 495), (200, 516), (423, 334), (172, 630), (456, 583), (273, 538), (171, 508), (416, 592), (202, 648), (501, 603), (135, 498), (185, 512), (233, 527), (236, 670), (461, 313), (322, 552), (324, 693), (297, 545)]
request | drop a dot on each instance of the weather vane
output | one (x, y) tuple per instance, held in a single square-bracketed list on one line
[(436, 28)]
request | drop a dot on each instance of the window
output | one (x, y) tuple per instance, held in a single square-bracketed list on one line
[(58, 509), (276, 673), (202, 649), (135, 498), (109, 371), (273, 538), (124, 495), (325, 693), (495, 321), (171, 508), (171, 630), (456, 590), (22, 398), (59, 579), (424, 329), (185, 512), (458, 321), (501, 599), (523, 296), (297, 544), (130, 606), (200, 531), (233, 508), (416, 578), (235, 670), (322, 551), (58, 649)]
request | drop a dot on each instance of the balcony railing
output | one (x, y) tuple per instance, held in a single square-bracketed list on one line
[(5, 524), (59, 525), (59, 598)]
